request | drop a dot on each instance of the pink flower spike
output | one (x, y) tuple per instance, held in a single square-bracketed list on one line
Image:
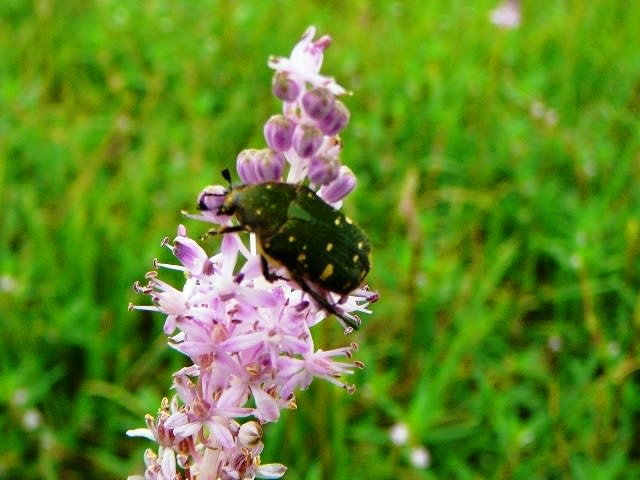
[(247, 332)]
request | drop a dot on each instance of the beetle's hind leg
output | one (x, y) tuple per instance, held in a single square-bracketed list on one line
[(268, 274), (349, 324)]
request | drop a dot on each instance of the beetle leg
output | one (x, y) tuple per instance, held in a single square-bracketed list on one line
[(349, 323), (268, 274), (229, 229)]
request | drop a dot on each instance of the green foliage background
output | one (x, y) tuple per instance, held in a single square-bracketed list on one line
[(498, 178)]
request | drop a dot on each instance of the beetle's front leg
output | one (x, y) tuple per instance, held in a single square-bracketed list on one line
[(229, 229)]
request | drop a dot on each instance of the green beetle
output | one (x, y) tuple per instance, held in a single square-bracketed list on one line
[(321, 248)]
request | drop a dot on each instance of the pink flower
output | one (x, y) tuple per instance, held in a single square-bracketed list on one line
[(305, 61)]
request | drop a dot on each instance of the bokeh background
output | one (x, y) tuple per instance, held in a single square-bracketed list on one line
[(499, 173)]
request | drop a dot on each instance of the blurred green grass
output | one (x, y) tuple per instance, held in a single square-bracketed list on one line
[(498, 178)]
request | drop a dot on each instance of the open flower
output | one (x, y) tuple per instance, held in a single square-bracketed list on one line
[(303, 66)]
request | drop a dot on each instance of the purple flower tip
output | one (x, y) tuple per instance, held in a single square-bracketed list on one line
[(335, 120), (270, 165), (340, 187), (278, 132), (306, 140), (211, 198), (323, 169), (284, 87), (318, 103), (258, 166)]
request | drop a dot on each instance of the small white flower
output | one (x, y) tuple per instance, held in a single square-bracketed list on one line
[(506, 15), (399, 434), (420, 457)]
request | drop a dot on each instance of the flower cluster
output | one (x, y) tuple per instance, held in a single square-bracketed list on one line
[(248, 338)]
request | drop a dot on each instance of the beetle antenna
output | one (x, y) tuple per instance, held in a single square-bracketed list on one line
[(227, 176)]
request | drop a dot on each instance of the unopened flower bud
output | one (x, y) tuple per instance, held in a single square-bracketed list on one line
[(318, 103), (271, 470), (306, 140), (284, 87), (246, 165), (278, 132), (258, 166), (335, 120), (269, 165), (211, 198), (323, 169), (340, 187), (250, 434)]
